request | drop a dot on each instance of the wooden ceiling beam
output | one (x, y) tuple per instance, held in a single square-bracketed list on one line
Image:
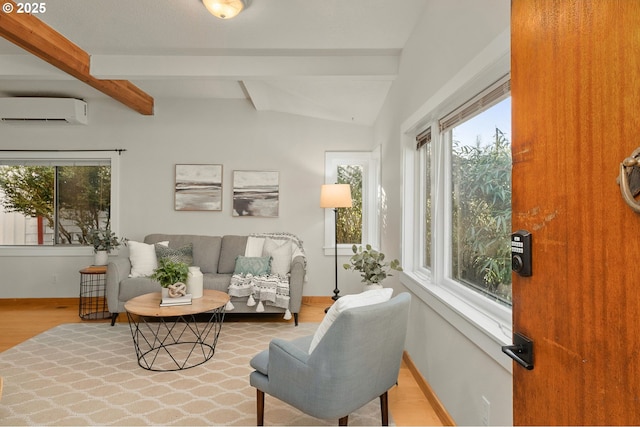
[(38, 38)]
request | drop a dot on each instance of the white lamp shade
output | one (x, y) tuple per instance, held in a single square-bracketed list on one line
[(335, 196), (224, 9)]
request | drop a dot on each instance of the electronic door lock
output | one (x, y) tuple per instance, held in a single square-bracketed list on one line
[(521, 253)]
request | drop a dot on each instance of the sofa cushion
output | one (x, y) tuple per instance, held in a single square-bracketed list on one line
[(256, 266), (206, 249), (232, 247), (183, 254), (280, 253), (143, 259)]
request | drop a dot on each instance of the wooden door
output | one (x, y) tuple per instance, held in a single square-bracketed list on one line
[(576, 116)]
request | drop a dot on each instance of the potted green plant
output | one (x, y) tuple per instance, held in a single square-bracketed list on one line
[(371, 265), (103, 242), (169, 273)]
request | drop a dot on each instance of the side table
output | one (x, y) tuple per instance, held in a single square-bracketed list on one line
[(93, 303)]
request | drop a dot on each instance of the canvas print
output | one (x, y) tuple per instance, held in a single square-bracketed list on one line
[(256, 193), (198, 188)]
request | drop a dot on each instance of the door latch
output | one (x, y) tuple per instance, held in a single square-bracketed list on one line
[(521, 351)]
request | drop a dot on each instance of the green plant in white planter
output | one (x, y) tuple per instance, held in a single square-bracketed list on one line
[(103, 242), (170, 272), (371, 265)]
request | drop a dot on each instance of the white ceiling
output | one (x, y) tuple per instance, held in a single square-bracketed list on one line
[(331, 59)]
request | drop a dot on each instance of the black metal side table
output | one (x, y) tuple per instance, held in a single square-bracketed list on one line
[(93, 301)]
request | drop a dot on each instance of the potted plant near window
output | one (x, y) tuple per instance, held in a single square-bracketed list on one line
[(103, 241), (371, 265), (170, 273)]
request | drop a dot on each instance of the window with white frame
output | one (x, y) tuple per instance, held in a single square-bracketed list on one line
[(462, 203), (54, 199), (358, 224)]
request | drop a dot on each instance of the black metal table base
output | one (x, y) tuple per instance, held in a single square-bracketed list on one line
[(175, 343)]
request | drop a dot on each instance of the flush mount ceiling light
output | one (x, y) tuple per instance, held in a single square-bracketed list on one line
[(224, 9)]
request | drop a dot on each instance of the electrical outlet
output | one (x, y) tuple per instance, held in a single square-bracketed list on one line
[(486, 409)]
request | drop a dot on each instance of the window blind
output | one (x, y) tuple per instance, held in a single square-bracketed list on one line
[(423, 138), (484, 100)]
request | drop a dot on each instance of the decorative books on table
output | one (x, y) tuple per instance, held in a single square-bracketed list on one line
[(170, 302)]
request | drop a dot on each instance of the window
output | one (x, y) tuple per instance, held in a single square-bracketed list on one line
[(481, 201), (358, 224), (54, 199), (457, 199)]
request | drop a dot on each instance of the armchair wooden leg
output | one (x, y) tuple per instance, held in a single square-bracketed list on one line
[(260, 408), (384, 408), (344, 421)]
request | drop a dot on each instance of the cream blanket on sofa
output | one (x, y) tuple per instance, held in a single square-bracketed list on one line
[(271, 289)]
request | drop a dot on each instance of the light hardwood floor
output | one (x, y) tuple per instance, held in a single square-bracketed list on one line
[(21, 319)]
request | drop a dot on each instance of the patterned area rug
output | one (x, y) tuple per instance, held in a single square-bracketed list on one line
[(87, 374)]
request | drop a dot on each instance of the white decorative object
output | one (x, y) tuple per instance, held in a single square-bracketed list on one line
[(371, 286), (165, 293), (101, 258), (195, 282)]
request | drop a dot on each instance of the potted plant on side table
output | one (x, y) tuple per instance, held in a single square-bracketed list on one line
[(371, 265), (103, 242), (171, 274)]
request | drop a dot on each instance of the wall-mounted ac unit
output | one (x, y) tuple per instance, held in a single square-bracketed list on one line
[(43, 110)]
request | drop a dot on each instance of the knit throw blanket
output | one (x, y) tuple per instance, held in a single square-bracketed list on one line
[(270, 289)]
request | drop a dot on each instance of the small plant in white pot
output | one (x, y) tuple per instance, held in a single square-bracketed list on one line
[(372, 266), (170, 273), (103, 242)]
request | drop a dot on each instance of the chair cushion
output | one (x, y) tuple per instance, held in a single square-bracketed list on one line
[(346, 302)]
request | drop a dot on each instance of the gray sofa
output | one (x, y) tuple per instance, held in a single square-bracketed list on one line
[(216, 257)]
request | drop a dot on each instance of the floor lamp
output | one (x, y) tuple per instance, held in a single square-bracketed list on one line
[(335, 196)]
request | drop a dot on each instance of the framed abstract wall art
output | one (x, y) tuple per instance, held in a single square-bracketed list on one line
[(256, 193), (198, 188)]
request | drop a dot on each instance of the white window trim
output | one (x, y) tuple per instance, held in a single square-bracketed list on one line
[(113, 156), (485, 322), (370, 162)]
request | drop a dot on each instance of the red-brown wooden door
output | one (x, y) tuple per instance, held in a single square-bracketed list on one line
[(576, 116)]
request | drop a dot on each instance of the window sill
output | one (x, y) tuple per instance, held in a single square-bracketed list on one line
[(52, 251), (484, 330)]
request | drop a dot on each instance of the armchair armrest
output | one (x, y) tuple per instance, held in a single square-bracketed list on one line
[(118, 269)]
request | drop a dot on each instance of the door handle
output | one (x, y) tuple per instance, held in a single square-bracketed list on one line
[(521, 351)]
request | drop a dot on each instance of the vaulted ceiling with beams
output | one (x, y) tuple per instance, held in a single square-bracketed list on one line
[(329, 59)]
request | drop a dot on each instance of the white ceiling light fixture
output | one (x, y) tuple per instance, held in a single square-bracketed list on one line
[(224, 9)]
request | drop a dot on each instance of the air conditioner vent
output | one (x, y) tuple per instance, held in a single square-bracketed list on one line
[(25, 110)]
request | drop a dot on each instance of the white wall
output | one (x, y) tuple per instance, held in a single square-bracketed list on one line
[(447, 37), (227, 132)]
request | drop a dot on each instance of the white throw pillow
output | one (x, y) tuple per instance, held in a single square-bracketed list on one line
[(280, 254), (143, 258), (254, 246), (346, 302)]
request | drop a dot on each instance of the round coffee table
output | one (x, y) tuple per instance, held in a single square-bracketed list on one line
[(173, 338)]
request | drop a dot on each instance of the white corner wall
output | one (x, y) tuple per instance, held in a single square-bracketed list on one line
[(448, 36), (227, 132)]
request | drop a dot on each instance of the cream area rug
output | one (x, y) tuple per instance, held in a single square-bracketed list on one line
[(87, 374)]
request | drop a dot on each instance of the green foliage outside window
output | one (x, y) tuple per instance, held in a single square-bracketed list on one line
[(482, 216), (349, 225), (83, 197)]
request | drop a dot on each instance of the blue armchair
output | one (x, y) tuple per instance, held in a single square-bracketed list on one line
[(357, 360)]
